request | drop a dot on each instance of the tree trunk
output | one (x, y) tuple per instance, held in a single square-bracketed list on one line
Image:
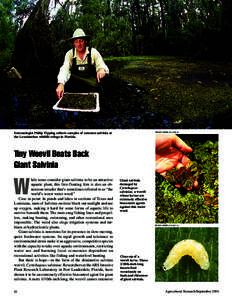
[(33, 54), (163, 21)]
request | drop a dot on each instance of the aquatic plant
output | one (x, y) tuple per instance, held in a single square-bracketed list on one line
[(198, 205), (80, 101), (184, 176)]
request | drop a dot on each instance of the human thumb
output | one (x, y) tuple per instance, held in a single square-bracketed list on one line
[(181, 145)]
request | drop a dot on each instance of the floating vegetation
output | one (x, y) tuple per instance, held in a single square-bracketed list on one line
[(183, 90), (78, 101), (190, 203), (184, 176), (140, 93)]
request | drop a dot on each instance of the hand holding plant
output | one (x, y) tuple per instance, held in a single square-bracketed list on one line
[(171, 153)]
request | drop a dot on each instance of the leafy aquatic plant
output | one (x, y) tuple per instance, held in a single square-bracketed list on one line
[(85, 101), (198, 205), (184, 176)]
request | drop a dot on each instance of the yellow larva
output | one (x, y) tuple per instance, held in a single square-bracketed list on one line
[(187, 247)]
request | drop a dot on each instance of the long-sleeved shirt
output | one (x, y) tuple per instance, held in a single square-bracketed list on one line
[(65, 70)]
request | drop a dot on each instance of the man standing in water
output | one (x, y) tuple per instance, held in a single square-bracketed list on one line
[(83, 63)]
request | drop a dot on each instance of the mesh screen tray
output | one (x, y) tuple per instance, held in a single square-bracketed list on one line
[(86, 102)]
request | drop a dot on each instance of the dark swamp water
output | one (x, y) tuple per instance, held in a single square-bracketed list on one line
[(27, 104)]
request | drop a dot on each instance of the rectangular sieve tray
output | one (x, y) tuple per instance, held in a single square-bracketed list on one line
[(96, 109)]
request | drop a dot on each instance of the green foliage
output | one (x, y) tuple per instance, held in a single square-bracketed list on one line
[(12, 16), (179, 89), (184, 176), (23, 9), (187, 270), (7, 31), (110, 34), (77, 101), (195, 28), (198, 205), (124, 28)]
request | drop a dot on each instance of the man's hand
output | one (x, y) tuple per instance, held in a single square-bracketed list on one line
[(60, 90), (100, 74), (170, 153)]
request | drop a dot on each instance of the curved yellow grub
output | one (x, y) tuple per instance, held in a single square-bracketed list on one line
[(187, 247)]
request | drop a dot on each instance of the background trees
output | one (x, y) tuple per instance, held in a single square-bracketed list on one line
[(199, 28), (7, 30)]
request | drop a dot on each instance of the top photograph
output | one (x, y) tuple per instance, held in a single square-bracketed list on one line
[(112, 64)]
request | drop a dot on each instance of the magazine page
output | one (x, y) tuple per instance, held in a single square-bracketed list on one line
[(115, 131), (82, 210), (82, 215)]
